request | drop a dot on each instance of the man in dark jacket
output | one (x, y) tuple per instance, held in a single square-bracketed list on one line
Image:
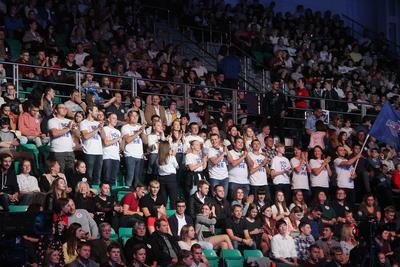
[(274, 108), (138, 237), (164, 247), (179, 219), (222, 206), (199, 198), (8, 184)]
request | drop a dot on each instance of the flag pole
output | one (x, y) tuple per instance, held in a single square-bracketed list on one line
[(362, 148)]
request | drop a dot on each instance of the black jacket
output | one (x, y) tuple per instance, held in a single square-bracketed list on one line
[(173, 224), (222, 211), (8, 181), (195, 204), (159, 248)]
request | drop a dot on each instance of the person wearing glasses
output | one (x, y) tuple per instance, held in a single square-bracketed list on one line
[(29, 125)]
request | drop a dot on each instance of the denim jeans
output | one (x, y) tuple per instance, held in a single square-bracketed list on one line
[(94, 164), (223, 182), (4, 201), (152, 164), (133, 171), (169, 188), (110, 171)]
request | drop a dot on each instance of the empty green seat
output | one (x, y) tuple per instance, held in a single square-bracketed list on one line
[(232, 257), (15, 46), (231, 254), (18, 208), (124, 239), (212, 257), (125, 232), (114, 235), (96, 186), (31, 148), (170, 212), (117, 187), (255, 253), (121, 194)]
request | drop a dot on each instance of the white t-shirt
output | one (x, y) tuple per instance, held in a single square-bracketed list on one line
[(299, 179), (280, 164), (111, 151), (240, 173), (177, 146), (217, 171), (135, 148), (343, 174), (193, 159), (93, 145), (322, 179), (169, 168), (258, 178), (153, 142), (62, 143)]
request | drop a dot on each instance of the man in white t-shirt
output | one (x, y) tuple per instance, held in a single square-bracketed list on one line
[(91, 144), (134, 137), (280, 171), (111, 139), (345, 172), (217, 163), (61, 142)]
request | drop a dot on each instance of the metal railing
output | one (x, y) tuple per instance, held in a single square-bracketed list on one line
[(183, 93)]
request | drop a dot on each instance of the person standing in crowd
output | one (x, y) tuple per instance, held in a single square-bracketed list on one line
[(111, 141), (134, 137), (280, 171), (92, 144), (301, 169), (258, 168), (167, 166), (217, 163), (238, 169), (320, 172), (61, 142)]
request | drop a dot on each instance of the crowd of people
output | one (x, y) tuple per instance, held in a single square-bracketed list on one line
[(197, 180)]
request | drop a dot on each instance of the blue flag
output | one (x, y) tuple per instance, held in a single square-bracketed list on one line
[(386, 127)]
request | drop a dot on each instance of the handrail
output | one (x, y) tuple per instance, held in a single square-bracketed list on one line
[(365, 28), (212, 56), (187, 87)]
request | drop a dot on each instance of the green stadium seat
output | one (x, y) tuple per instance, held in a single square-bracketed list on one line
[(255, 253), (31, 148), (121, 194), (231, 254), (124, 239), (118, 187), (96, 186), (232, 257), (16, 166), (219, 231), (18, 208), (125, 231), (170, 212), (114, 236), (15, 46), (212, 257)]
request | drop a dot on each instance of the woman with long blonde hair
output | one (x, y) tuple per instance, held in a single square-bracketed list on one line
[(167, 166)]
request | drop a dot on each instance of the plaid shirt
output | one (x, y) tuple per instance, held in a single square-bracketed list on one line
[(302, 245), (270, 153)]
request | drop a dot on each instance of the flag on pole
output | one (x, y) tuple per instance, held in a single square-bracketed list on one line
[(386, 127)]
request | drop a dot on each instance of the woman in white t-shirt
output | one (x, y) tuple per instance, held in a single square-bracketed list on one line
[(279, 209), (248, 137), (320, 171), (196, 162), (238, 169), (153, 140), (167, 166), (258, 165), (301, 169), (177, 140), (111, 140)]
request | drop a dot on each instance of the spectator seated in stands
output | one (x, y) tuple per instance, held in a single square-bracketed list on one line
[(82, 217), (29, 125), (283, 246), (29, 191), (179, 219), (9, 184), (83, 257)]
